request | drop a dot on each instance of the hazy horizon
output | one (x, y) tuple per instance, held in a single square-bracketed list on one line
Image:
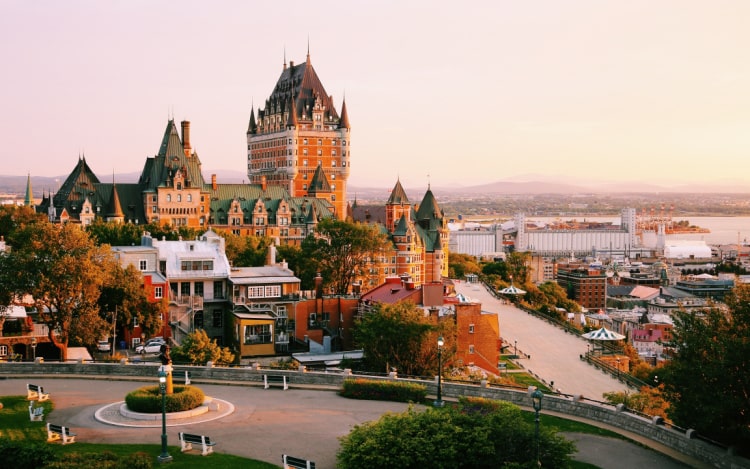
[(583, 90)]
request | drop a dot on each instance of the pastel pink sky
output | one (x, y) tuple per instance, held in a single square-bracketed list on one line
[(467, 93)]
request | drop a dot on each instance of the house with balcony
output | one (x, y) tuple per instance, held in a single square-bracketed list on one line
[(262, 298), (197, 272)]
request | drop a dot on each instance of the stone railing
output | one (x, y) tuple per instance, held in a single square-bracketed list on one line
[(686, 442)]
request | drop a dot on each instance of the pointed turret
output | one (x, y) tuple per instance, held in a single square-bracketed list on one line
[(344, 121), (28, 201), (291, 121), (114, 209), (252, 126)]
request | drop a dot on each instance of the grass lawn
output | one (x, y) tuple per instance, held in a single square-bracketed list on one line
[(16, 426)]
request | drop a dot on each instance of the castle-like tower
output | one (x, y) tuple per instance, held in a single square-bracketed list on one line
[(298, 132)]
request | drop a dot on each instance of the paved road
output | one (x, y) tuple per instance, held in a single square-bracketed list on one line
[(554, 353), (267, 423)]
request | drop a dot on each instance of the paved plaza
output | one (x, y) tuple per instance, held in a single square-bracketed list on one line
[(264, 424)]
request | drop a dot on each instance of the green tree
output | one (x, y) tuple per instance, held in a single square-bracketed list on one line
[(127, 295), (518, 267), (63, 271), (706, 382), (400, 336), (115, 234), (342, 251), (198, 349), (474, 433), (461, 264), (500, 269), (303, 266), (245, 251)]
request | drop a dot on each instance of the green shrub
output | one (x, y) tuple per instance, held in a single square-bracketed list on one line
[(26, 455), (382, 390), (148, 399), (469, 434)]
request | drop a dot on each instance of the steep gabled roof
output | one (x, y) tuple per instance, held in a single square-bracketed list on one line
[(398, 195), (170, 159), (252, 127), (114, 210), (79, 183), (319, 183), (428, 209)]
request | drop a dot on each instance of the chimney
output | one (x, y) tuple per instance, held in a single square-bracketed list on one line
[(186, 137), (271, 257), (318, 286), (263, 183), (213, 182)]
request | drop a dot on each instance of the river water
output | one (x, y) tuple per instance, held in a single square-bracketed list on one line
[(724, 230)]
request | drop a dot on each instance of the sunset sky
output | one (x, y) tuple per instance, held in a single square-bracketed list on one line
[(454, 93)]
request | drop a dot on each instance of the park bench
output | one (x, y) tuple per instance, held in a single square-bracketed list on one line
[(187, 440), (36, 393), (268, 380), (290, 462), (36, 414), (58, 432)]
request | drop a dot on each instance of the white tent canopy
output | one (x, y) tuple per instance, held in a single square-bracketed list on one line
[(512, 290), (603, 334)]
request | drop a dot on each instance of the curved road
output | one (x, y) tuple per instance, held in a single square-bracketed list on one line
[(555, 354)]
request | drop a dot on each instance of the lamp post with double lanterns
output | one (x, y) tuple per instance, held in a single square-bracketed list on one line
[(536, 401), (439, 401), (164, 457)]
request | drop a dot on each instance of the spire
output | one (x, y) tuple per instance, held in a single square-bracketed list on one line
[(114, 209), (284, 58), (29, 199), (308, 49), (291, 121), (252, 126), (344, 121)]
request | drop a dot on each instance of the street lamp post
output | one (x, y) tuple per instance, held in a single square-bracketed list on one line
[(439, 401), (33, 347), (164, 457), (515, 348), (618, 367), (536, 401)]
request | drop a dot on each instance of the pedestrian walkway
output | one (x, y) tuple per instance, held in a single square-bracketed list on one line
[(264, 424), (554, 353)]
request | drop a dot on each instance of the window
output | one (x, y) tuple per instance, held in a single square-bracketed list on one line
[(190, 197), (185, 289), (258, 334), (198, 289), (217, 318), (158, 292), (143, 265), (153, 198), (169, 197), (320, 142), (3, 350), (135, 321), (179, 197), (304, 162), (218, 290), (471, 349), (333, 163), (153, 209), (471, 328), (304, 151)]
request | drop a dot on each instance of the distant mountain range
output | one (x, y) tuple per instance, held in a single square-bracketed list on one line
[(535, 184)]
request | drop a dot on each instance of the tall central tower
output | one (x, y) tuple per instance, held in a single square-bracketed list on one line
[(298, 132)]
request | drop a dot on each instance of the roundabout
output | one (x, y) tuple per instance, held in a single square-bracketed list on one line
[(119, 415)]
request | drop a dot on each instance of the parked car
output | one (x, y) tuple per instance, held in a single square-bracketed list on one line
[(151, 346), (103, 346)]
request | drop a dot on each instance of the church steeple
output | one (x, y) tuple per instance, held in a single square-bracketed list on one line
[(28, 201)]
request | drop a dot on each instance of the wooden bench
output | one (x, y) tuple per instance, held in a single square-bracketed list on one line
[(36, 393), (187, 440), (36, 414), (268, 380), (290, 462), (58, 432)]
